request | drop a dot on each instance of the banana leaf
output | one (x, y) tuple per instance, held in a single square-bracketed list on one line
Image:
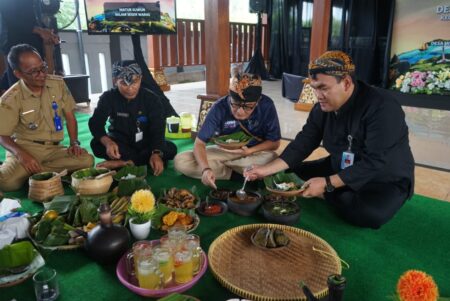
[(43, 176), (138, 171), (16, 255), (61, 203), (162, 210), (240, 136), (89, 172), (283, 177), (127, 187)]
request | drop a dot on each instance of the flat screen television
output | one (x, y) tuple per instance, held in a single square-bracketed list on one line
[(131, 16)]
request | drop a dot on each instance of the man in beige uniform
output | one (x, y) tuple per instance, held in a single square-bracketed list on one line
[(30, 130)]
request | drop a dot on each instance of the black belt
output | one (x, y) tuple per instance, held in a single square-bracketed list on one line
[(46, 142)]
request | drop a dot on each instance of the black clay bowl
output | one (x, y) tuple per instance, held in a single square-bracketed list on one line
[(220, 194), (284, 212), (245, 207), (223, 206)]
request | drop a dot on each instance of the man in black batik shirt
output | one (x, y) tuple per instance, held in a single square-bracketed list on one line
[(369, 172), (136, 123)]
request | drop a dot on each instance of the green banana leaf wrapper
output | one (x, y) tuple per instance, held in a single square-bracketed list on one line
[(241, 136), (16, 255), (283, 177), (138, 171)]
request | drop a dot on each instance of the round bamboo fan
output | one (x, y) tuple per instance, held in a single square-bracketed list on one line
[(272, 274)]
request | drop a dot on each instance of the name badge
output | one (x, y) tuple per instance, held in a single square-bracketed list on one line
[(347, 159), (120, 114), (139, 136)]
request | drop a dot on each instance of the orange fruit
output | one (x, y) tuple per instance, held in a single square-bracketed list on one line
[(50, 215)]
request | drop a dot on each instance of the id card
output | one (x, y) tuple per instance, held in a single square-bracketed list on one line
[(139, 136), (347, 159)]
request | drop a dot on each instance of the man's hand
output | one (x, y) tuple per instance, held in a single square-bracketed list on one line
[(315, 187), (254, 172), (31, 165), (209, 178), (157, 164), (112, 150), (76, 150), (243, 151), (47, 35)]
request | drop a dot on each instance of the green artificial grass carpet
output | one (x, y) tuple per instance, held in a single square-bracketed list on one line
[(416, 238)]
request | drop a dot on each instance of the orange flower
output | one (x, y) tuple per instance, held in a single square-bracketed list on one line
[(417, 286)]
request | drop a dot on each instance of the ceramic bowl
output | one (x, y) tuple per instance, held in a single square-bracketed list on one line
[(244, 207), (282, 212)]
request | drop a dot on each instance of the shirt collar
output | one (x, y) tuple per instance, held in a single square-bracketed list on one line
[(27, 92), (349, 103)]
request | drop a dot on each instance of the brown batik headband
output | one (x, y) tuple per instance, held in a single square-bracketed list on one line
[(336, 63)]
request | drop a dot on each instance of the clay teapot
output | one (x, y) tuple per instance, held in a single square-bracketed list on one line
[(107, 242)]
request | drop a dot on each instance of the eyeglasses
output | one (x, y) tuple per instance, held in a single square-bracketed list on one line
[(37, 71), (244, 106)]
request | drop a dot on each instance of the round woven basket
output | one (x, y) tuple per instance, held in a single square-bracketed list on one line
[(272, 274), (44, 190), (92, 186)]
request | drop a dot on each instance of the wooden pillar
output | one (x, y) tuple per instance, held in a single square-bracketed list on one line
[(154, 61), (217, 54), (320, 28)]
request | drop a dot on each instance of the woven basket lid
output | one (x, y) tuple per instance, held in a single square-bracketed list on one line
[(272, 274)]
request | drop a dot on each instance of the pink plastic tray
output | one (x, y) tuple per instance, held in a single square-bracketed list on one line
[(130, 282)]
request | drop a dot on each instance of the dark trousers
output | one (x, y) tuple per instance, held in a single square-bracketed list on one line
[(137, 155), (371, 206)]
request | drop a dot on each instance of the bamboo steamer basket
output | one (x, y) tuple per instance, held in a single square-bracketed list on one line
[(45, 190), (92, 186)]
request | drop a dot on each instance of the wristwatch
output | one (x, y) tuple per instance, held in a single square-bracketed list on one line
[(328, 187), (75, 142), (157, 152)]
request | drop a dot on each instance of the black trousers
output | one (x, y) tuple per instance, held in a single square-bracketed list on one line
[(139, 156), (371, 206)]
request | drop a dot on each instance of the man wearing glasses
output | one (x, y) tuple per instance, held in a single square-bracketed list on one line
[(136, 123), (31, 114), (245, 109)]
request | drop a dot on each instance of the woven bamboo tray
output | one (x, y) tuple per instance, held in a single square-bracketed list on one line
[(41, 191), (272, 274)]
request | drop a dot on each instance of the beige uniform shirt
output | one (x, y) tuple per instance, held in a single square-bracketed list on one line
[(21, 110)]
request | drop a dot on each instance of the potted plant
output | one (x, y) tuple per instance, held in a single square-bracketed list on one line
[(140, 213)]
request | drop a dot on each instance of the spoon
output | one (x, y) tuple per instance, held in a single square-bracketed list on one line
[(60, 174), (241, 194), (111, 172)]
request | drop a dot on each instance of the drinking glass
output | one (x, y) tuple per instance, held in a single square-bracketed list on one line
[(148, 274), (141, 248), (192, 243), (184, 269), (45, 284), (164, 258), (177, 234)]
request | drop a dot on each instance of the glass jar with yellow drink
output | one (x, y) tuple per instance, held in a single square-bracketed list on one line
[(148, 274), (184, 268), (141, 248), (192, 243), (164, 257)]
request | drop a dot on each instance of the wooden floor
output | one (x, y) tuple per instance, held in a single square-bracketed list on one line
[(428, 182)]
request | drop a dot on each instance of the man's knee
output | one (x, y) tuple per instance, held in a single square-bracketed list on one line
[(11, 183), (183, 162)]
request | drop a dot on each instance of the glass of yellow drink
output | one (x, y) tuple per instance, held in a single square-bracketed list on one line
[(148, 274), (184, 268), (141, 248), (164, 257), (192, 243)]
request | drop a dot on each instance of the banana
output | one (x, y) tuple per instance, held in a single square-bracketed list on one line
[(118, 218), (122, 208), (114, 203), (117, 205)]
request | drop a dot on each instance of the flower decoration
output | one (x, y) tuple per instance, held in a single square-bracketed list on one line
[(416, 285), (424, 82), (142, 206)]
